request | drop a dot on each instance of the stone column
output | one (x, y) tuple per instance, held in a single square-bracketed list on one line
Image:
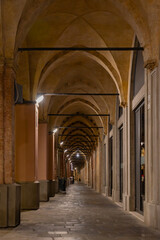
[(126, 162), (107, 165), (152, 148), (9, 191), (26, 161), (43, 161), (129, 201), (115, 189), (94, 170), (102, 165), (88, 172), (98, 168), (1, 123)]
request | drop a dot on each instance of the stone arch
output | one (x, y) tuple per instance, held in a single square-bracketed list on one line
[(96, 56), (86, 103)]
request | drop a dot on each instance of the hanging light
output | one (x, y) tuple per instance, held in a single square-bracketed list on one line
[(77, 155), (39, 99), (65, 150), (61, 143)]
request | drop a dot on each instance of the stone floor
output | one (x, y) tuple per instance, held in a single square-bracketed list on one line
[(81, 214)]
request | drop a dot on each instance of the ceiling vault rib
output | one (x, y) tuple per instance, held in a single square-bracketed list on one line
[(78, 114), (78, 127), (81, 49), (77, 135), (79, 94), (83, 141)]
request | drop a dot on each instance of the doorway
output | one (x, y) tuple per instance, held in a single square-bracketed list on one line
[(110, 165), (121, 162), (139, 158)]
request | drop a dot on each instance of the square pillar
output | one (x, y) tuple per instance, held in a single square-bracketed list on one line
[(3, 205), (10, 195), (51, 165), (26, 154), (106, 141), (152, 149), (43, 161), (9, 192)]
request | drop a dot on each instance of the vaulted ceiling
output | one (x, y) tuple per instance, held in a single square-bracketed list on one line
[(82, 23)]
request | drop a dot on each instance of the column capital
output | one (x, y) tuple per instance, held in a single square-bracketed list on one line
[(123, 104), (10, 63), (151, 64)]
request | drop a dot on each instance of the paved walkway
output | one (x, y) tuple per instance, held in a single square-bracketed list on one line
[(81, 214)]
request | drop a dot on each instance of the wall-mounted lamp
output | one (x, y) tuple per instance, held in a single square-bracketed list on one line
[(61, 143), (39, 99), (55, 130)]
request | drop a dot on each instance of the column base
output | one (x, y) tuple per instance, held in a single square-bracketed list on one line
[(10, 196), (131, 203), (115, 195), (30, 195), (68, 182), (126, 203), (56, 186), (51, 188), (106, 191), (102, 189), (44, 190), (152, 215)]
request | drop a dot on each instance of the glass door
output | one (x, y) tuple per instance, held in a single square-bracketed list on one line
[(140, 157), (110, 165), (121, 162)]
